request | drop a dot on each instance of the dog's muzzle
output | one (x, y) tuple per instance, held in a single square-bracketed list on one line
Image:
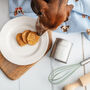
[(40, 28)]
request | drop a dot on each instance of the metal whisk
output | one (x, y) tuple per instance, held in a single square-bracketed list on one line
[(61, 74)]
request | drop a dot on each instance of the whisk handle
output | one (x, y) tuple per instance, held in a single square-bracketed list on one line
[(85, 61)]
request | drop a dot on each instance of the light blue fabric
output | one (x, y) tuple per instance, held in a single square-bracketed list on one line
[(25, 4), (76, 22)]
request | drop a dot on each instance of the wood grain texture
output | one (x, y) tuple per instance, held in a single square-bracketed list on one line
[(14, 71)]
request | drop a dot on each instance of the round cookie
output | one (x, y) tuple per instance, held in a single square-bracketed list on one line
[(32, 38), (24, 36), (20, 40)]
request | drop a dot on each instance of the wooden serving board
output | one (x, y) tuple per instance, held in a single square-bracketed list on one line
[(14, 71)]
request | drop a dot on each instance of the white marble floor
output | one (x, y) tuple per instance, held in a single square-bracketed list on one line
[(37, 76)]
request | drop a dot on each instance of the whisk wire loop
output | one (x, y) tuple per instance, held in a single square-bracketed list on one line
[(59, 71)]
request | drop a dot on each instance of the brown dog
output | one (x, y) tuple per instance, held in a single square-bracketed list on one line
[(51, 13)]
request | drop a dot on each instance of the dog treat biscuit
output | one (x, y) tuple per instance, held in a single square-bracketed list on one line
[(20, 40), (32, 38), (24, 36)]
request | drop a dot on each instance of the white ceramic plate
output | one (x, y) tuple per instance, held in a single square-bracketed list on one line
[(12, 51)]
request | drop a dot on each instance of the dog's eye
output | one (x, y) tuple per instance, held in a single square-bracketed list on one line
[(39, 13), (46, 1)]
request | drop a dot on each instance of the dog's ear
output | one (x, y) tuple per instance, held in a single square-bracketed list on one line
[(38, 6), (34, 6), (69, 9)]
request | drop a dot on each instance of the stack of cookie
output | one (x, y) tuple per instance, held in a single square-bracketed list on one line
[(27, 37)]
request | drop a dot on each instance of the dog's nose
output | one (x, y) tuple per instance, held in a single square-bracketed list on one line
[(39, 33)]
